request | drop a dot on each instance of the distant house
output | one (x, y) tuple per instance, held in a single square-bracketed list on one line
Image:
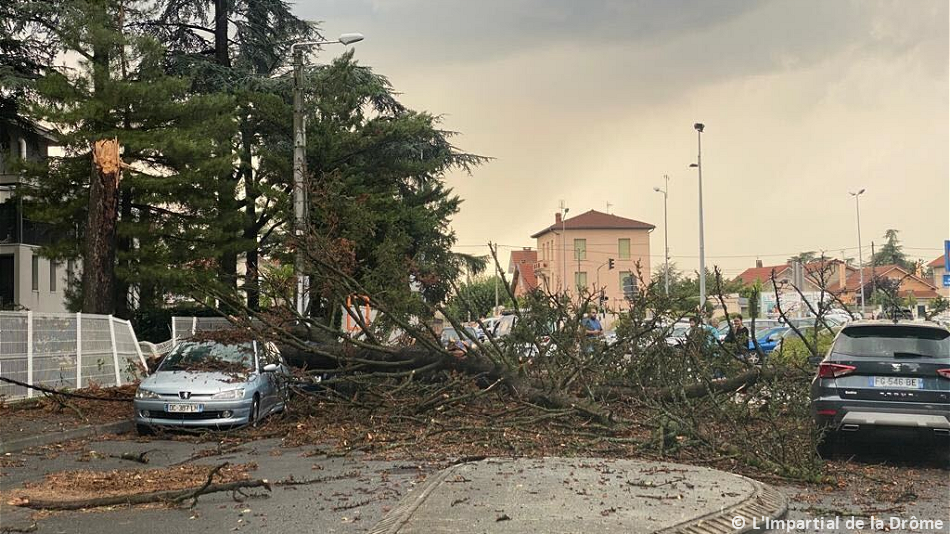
[(911, 285), (521, 268), (814, 275), (939, 269), (574, 254), (26, 279)]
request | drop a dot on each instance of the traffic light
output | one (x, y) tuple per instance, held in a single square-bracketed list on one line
[(610, 264)]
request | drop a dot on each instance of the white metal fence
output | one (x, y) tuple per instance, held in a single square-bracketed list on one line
[(65, 350), (183, 327)]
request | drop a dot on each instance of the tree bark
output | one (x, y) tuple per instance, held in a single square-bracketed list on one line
[(221, 12), (98, 274), (252, 274), (123, 307)]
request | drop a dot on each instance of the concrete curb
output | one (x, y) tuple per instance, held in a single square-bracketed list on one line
[(40, 440), (763, 502)]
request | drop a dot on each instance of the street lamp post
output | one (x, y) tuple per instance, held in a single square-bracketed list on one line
[(300, 162), (857, 211), (564, 248), (702, 245), (666, 235)]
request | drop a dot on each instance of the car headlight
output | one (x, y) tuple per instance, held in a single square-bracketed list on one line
[(145, 394), (230, 394)]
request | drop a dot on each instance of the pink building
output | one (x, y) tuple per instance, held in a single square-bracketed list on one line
[(575, 253)]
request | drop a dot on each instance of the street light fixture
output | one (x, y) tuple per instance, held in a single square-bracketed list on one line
[(666, 235), (300, 147), (857, 210), (699, 127)]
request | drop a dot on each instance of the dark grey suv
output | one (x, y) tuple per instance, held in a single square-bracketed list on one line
[(883, 377)]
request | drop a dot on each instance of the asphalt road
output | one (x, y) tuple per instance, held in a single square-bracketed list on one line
[(359, 492), (357, 497)]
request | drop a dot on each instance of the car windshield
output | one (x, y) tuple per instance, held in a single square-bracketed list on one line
[(679, 330), (894, 342), (211, 357)]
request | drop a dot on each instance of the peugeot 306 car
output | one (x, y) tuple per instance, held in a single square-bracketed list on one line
[(213, 384)]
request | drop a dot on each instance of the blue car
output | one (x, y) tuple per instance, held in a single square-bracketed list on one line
[(769, 339)]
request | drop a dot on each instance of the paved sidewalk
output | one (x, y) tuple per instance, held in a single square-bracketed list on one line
[(582, 495)]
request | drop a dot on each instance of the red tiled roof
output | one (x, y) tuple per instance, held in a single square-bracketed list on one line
[(750, 276), (596, 220), (853, 281), (522, 256), (522, 264), (528, 276), (937, 262)]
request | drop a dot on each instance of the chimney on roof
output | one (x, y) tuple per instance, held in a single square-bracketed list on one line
[(758, 263), (842, 276), (557, 218)]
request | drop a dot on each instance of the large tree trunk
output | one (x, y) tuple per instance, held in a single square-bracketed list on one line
[(123, 308), (221, 12), (252, 276), (98, 275)]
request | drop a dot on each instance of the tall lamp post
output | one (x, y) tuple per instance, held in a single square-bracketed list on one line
[(857, 211), (564, 248), (300, 161), (666, 235), (702, 245)]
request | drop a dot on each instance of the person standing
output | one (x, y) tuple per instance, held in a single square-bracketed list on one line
[(591, 324), (739, 335)]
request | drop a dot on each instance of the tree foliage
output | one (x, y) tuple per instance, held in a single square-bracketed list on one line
[(476, 299), (892, 253)]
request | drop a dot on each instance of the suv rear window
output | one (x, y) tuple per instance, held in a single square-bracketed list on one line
[(894, 341)]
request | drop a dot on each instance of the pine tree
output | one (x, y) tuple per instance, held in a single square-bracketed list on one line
[(174, 143), (891, 253)]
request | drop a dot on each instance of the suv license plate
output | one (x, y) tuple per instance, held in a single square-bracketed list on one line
[(184, 408), (896, 382)]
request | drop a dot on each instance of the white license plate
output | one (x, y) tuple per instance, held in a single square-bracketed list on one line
[(189, 407), (896, 382)]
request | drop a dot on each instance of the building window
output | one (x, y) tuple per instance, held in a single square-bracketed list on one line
[(580, 249), (52, 275), (36, 273), (628, 283), (623, 248), (22, 143), (580, 280)]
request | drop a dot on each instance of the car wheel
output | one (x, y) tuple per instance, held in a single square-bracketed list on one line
[(255, 415), (144, 430)]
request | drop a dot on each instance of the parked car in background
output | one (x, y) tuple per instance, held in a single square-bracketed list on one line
[(768, 339), (451, 339), (676, 333), (213, 384), (885, 378)]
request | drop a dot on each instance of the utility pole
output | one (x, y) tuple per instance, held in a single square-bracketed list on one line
[(300, 191), (857, 210), (300, 162)]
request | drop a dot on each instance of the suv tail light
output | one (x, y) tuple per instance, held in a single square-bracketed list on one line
[(944, 373), (834, 370)]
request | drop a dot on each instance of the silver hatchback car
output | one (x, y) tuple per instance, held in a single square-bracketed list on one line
[(213, 384)]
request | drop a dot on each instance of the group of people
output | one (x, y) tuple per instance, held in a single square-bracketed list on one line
[(737, 336)]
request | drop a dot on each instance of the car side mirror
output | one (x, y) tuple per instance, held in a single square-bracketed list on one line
[(270, 368)]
